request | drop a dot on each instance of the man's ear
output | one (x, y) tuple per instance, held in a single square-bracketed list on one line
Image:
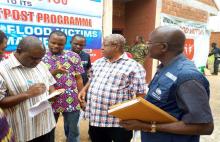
[(19, 50), (164, 47)]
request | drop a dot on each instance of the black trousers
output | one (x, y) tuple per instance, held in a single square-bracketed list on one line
[(109, 134), (44, 138), (216, 66), (52, 133)]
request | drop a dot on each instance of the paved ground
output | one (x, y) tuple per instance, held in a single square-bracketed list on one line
[(214, 101), (215, 105)]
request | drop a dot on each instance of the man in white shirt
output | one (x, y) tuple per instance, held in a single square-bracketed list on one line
[(24, 81)]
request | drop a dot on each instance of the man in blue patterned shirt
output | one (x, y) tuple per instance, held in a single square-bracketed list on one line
[(114, 78)]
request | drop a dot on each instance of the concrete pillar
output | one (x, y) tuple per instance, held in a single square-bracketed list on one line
[(107, 17)]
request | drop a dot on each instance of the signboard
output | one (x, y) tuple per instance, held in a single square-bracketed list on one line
[(197, 38), (19, 18)]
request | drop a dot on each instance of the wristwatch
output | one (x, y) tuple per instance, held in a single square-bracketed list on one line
[(153, 128)]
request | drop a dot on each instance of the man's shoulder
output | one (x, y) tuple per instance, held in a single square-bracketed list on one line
[(5, 63), (42, 66), (189, 72), (218, 49), (70, 53), (84, 54), (134, 64), (98, 61), (131, 61), (72, 56), (48, 53)]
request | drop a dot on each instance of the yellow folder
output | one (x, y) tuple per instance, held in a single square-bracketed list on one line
[(140, 109)]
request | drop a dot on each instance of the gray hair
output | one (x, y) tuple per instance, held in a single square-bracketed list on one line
[(116, 39)]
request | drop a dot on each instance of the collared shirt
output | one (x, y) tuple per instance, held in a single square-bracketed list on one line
[(179, 89), (16, 79), (68, 101), (6, 134), (112, 83)]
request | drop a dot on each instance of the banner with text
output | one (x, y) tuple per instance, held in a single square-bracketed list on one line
[(19, 18), (197, 38)]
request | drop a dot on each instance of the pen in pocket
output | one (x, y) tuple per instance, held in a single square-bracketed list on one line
[(30, 82)]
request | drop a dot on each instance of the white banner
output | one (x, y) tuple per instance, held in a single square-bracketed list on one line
[(197, 38)]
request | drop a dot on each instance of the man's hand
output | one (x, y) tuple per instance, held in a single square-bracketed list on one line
[(36, 90), (13, 100), (81, 96), (61, 70), (135, 125), (83, 105)]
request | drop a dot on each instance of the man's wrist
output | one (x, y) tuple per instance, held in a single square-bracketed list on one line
[(149, 127), (153, 127), (26, 95)]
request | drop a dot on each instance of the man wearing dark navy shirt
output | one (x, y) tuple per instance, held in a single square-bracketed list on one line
[(78, 42), (177, 88)]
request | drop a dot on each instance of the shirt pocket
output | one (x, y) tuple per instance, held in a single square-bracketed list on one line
[(118, 80)]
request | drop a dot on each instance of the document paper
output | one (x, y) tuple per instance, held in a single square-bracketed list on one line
[(43, 104)]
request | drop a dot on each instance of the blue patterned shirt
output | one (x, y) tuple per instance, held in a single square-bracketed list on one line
[(112, 83)]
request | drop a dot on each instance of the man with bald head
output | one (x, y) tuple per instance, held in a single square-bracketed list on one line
[(179, 89), (24, 81), (114, 78)]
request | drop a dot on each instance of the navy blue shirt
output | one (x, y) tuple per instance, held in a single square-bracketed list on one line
[(181, 90), (85, 59)]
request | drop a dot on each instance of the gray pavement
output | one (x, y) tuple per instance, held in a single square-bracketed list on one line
[(215, 105)]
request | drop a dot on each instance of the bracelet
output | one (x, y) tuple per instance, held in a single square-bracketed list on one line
[(153, 127)]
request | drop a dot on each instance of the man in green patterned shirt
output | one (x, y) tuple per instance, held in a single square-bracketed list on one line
[(139, 50)]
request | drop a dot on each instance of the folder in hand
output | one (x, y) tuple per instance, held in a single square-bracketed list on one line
[(140, 109)]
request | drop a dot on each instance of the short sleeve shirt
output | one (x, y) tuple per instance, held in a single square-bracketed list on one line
[(193, 99), (112, 83), (68, 101), (16, 79)]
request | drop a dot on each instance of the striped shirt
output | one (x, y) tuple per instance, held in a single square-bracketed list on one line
[(112, 83), (15, 79)]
